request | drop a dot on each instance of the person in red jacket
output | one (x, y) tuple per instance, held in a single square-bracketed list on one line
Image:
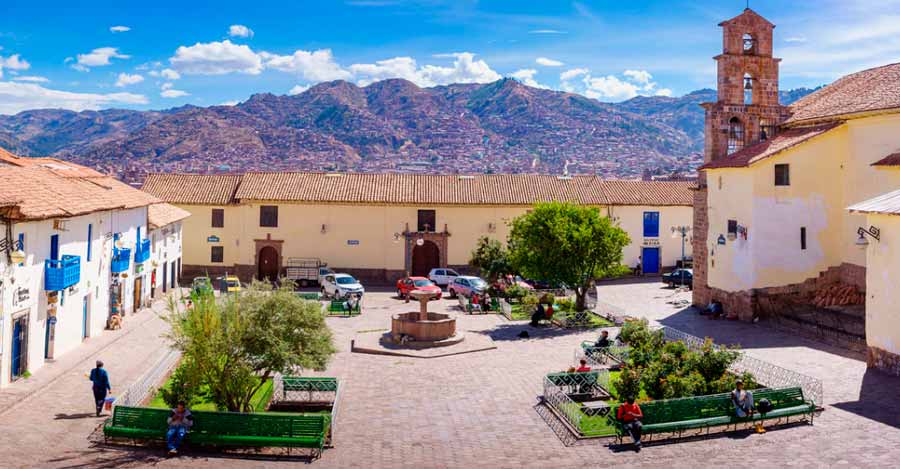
[(630, 415)]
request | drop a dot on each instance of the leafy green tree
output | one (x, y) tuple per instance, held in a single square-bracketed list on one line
[(490, 257), (235, 343), (565, 243)]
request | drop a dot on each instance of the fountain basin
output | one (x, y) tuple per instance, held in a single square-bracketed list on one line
[(434, 327)]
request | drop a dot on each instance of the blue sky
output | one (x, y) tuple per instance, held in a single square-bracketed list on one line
[(160, 54)]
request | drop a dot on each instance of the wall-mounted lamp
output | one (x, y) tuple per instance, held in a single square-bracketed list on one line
[(862, 242), (324, 228), (492, 227), (397, 237)]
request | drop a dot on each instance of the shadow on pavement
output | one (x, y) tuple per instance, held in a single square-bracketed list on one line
[(744, 334), (82, 415), (512, 331), (877, 399)]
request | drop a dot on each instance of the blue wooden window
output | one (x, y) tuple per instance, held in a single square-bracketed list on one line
[(651, 224), (22, 246), (54, 247), (90, 238)]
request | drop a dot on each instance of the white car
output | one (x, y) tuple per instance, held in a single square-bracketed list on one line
[(442, 277), (466, 285), (341, 286)]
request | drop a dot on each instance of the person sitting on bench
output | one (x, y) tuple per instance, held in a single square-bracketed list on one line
[(180, 421), (538, 315), (630, 415), (743, 403), (584, 368), (603, 341)]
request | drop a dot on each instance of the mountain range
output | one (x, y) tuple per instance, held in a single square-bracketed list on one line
[(392, 125)]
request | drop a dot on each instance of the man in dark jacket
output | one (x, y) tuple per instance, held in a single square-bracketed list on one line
[(100, 379)]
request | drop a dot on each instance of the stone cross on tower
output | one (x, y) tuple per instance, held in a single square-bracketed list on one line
[(747, 111)]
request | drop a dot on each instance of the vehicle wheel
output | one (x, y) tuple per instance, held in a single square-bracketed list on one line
[(452, 293), (304, 283), (399, 294)]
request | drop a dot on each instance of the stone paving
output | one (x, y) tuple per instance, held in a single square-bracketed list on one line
[(478, 410)]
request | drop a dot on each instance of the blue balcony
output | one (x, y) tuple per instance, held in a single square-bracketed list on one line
[(120, 261), (62, 274), (142, 252)]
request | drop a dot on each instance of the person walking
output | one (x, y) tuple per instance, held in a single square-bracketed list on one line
[(100, 379)]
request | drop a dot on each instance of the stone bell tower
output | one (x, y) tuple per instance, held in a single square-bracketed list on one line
[(746, 112)]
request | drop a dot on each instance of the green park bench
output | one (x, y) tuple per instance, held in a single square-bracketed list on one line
[(338, 306), (465, 304), (308, 384), (223, 428), (703, 412), (308, 296)]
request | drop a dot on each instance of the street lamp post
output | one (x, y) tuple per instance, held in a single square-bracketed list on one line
[(681, 231)]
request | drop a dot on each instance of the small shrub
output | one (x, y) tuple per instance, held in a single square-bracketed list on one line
[(628, 383), (566, 304), (548, 298), (515, 292), (712, 362), (183, 386)]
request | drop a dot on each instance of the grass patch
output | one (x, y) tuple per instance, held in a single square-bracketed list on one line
[(521, 312), (591, 425), (259, 401)]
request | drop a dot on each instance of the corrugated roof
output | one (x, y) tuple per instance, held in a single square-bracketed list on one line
[(216, 189), (787, 139), (366, 188), (887, 204), (162, 214), (876, 89), (890, 160), (36, 192)]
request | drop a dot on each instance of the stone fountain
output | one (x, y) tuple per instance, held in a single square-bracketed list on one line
[(422, 329)]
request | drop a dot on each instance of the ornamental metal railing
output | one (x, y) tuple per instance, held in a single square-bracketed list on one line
[(149, 382), (309, 390), (765, 373), (583, 420)]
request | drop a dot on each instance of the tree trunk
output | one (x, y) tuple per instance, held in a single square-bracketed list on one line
[(580, 299)]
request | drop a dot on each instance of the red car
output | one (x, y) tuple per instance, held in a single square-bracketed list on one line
[(408, 284)]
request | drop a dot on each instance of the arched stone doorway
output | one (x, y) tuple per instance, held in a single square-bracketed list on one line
[(268, 264), (424, 258)]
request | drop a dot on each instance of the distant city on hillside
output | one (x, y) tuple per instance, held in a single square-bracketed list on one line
[(388, 126)]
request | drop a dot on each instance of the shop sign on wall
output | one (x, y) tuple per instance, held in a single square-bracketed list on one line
[(651, 242)]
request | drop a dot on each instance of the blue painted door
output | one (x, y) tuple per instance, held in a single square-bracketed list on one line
[(19, 348), (650, 257), (651, 224), (54, 247)]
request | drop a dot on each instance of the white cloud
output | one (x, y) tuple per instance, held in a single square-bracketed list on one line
[(31, 78), (573, 73), (239, 30), (297, 89), (642, 77), (119, 29), (126, 79), (526, 76), (17, 97), (230, 103), (13, 62), (172, 93), (167, 73), (795, 40), (216, 58), (97, 58), (167, 86), (611, 87), (546, 31), (548, 62), (313, 66), (465, 69)]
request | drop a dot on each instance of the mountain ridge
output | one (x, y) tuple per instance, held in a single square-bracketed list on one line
[(390, 125)]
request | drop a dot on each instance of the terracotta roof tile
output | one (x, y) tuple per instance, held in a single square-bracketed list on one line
[(367, 188), (193, 188), (160, 215), (890, 160), (787, 139), (876, 89), (40, 192)]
